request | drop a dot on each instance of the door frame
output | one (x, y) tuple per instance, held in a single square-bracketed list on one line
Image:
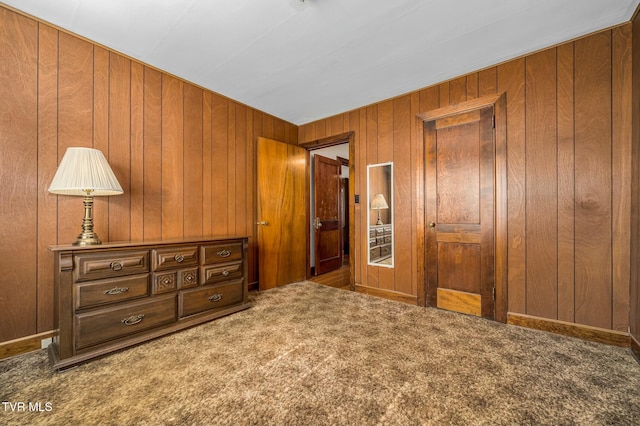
[(346, 137), (498, 102)]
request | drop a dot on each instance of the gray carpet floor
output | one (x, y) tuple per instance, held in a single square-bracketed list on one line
[(307, 354)]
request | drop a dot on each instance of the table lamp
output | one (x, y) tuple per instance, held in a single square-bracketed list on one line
[(85, 172)]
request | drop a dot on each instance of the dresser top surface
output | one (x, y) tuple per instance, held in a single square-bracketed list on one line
[(125, 244)]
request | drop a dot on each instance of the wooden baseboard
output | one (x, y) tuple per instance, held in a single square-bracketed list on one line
[(595, 334), (635, 347), (23, 345), (388, 294)]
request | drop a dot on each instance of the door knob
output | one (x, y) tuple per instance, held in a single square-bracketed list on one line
[(432, 225), (263, 223)]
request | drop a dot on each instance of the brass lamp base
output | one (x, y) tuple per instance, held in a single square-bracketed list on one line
[(87, 237)]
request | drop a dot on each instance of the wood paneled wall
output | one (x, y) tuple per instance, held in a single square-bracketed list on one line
[(184, 156), (568, 167), (634, 299)]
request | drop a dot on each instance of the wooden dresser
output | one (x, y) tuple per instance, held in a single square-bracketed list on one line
[(111, 296)]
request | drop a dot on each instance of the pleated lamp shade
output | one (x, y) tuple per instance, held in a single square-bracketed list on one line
[(379, 202), (82, 170)]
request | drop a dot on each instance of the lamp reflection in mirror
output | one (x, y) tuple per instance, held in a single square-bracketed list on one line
[(379, 203), (85, 172)]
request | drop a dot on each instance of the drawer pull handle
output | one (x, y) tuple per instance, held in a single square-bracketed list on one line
[(116, 265), (224, 253), (116, 290), (215, 298), (133, 319), (225, 273), (178, 258)]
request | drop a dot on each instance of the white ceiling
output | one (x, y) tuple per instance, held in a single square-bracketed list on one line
[(302, 61)]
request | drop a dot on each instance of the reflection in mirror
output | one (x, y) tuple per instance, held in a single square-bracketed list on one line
[(380, 217)]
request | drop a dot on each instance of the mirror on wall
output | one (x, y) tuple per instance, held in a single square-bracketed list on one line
[(380, 217)]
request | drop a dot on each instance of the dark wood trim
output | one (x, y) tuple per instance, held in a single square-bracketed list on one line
[(456, 109), (585, 332), (328, 141), (343, 161), (23, 345), (387, 294), (352, 210), (498, 102), (635, 348)]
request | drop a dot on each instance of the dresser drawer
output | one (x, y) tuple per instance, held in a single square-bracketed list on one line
[(221, 272), (107, 324), (91, 266), (104, 292), (223, 252), (174, 257), (212, 297), (164, 282), (374, 253)]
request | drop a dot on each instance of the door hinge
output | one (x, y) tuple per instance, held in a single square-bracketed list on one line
[(494, 293), (493, 121)]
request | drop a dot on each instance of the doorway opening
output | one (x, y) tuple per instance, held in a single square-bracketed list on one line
[(331, 229)]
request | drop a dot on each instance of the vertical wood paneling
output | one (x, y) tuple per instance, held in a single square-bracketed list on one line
[(231, 170), (634, 307), (541, 184), (458, 90), (356, 165), (119, 154), (487, 81), (47, 164), (472, 86), (137, 152), (336, 125), (279, 132), (403, 259), (167, 141), (192, 183), (385, 153), (172, 158), (364, 156), (593, 180), (152, 154), (241, 168), (252, 194), (621, 165), (18, 124), (75, 122), (268, 126), (444, 94), (101, 131), (566, 254), (373, 272), (428, 99), (207, 162), (219, 141), (253, 249), (511, 80)]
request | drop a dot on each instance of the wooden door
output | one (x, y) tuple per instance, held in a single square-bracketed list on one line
[(459, 207), (326, 217), (283, 209)]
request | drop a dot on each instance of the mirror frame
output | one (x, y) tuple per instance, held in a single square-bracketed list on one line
[(390, 202)]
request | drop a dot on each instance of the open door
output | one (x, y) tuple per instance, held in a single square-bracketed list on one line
[(283, 209), (326, 217)]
